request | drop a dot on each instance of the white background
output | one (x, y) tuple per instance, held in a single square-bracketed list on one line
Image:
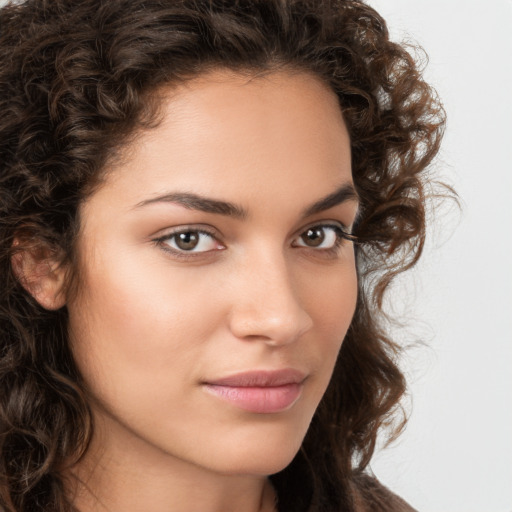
[(456, 454)]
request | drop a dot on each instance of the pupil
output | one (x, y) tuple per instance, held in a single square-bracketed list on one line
[(314, 237), (187, 241)]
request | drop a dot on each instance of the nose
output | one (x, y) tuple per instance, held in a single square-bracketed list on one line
[(266, 306)]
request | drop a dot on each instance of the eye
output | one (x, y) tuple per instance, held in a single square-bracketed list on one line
[(321, 237), (189, 241)]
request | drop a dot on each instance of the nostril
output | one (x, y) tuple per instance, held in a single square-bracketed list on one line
[(259, 324)]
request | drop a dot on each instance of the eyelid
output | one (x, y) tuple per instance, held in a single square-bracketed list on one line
[(335, 224), (172, 230)]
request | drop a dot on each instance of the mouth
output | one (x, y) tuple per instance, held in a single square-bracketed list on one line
[(262, 392)]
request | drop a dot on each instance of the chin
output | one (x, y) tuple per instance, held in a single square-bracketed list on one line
[(265, 457), (263, 467)]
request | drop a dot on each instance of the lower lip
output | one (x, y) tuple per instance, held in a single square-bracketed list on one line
[(269, 399)]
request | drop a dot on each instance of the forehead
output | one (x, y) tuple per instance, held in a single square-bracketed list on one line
[(235, 136)]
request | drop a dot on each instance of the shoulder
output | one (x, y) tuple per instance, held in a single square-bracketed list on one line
[(372, 496)]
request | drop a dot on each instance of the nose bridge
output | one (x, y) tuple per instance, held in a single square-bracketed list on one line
[(267, 305)]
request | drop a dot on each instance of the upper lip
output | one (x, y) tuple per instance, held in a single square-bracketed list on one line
[(261, 378)]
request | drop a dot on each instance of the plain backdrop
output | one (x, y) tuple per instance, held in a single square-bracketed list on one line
[(456, 453)]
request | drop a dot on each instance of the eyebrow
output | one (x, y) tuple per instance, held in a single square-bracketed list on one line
[(344, 193), (198, 202)]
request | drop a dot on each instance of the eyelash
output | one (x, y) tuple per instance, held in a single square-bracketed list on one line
[(341, 236)]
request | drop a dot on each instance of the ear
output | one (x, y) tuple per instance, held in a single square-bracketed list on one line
[(40, 273)]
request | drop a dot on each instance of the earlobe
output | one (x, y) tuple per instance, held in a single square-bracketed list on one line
[(40, 274)]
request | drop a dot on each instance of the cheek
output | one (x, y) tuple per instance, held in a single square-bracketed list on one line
[(332, 304), (137, 326), (145, 332), (330, 295)]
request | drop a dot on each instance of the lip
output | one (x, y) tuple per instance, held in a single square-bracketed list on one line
[(260, 391)]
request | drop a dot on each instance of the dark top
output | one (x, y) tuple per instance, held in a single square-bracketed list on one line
[(372, 496)]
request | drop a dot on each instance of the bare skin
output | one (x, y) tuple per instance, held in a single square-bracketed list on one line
[(175, 298)]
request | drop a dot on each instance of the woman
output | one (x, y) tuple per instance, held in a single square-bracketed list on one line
[(202, 205)]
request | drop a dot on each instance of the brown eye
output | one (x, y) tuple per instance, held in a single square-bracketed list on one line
[(313, 237), (187, 241), (191, 240), (321, 237)]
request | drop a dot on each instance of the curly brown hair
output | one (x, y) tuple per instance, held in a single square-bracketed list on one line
[(76, 78)]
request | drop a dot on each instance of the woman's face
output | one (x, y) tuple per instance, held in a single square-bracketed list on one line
[(217, 286)]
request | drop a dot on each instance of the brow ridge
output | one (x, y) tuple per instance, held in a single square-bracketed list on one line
[(197, 202), (191, 201), (344, 193)]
